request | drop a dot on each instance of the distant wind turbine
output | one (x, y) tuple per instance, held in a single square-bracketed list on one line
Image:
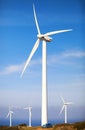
[(44, 38), (10, 116), (65, 105), (30, 114)]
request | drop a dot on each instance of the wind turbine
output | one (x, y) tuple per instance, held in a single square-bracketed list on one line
[(44, 38), (30, 114), (10, 116), (65, 105)]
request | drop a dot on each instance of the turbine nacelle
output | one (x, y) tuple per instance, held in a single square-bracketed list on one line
[(44, 37), (9, 113), (65, 105), (68, 103), (28, 108)]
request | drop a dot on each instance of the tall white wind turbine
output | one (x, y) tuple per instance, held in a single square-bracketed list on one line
[(65, 105), (44, 38), (10, 117), (30, 115)]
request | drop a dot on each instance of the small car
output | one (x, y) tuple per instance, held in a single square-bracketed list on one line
[(48, 125)]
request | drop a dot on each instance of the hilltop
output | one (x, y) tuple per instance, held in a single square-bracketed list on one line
[(74, 126)]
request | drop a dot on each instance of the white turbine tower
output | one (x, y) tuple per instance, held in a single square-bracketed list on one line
[(30, 115), (65, 105), (44, 38), (10, 117)]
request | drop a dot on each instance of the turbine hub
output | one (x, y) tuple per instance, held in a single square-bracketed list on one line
[(44, 37)]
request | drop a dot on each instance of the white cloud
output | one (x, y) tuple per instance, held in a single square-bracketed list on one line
[(17, 67), (56, 59), (74, 54), (11, 69), (65, 57)]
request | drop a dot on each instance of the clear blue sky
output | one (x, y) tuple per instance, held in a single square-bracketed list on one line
[(65, 55)]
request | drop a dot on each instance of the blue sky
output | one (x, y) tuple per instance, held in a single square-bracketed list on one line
[(65, 55)]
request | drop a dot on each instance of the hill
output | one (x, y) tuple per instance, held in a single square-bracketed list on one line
[(74, 126)]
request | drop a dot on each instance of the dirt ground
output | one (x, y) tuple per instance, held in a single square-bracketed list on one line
[(74, 126)]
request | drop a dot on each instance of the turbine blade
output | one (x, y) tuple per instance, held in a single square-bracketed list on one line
[(26, 108), (10, 107), (62, 109), (63, 100), (56, 32), (68, 103), (7, 115), (31, 54), (11, 112), (35, 17)]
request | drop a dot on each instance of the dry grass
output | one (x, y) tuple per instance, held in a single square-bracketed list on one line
[(80, 125), (75, 126)]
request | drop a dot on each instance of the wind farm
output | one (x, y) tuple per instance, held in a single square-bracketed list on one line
[(65, 105), (29, 109), (42, 56), (10, 113), (44, 38)]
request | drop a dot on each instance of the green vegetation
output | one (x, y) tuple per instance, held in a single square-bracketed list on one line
[(80, 125), (74, 126), (64, 127)]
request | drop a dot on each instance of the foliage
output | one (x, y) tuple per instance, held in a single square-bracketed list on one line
[(80, 125), (75, 126)]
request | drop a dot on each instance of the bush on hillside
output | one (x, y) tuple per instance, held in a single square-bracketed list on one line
[(79, 125)]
